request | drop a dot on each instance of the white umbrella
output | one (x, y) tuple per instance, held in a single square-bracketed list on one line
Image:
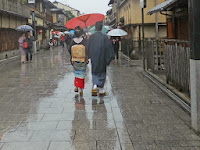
[(117, 32), (60, 33), (108, 28), (56, 36)]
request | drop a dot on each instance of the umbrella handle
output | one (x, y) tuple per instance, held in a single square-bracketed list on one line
[(85, 26)]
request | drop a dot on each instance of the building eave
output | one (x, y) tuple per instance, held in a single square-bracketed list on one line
[(50, 4), (111, 2), (13, 13), (161, 7), (109, 12)]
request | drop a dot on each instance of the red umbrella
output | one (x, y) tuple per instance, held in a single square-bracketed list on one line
[(84, 20)]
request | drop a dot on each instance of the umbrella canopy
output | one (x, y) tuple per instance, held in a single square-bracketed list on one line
[(60, 33), (104, 30), (72, 31), (117, 32), (84, 20), (57, 36), (108, 28), (67, 32), (24, 28)]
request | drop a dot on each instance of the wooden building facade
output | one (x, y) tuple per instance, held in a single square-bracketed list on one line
[(12, 14)]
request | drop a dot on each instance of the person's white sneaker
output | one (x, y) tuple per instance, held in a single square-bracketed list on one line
[(94, 90), (102, 92), (81, 92), (95, 86)]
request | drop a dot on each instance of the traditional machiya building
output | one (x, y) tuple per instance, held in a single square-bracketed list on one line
[(48, 18), (74, 11), (176, 12), (59, 19), (112, 14), (12, 14), (175, 51), (129, 16), (43, 20)]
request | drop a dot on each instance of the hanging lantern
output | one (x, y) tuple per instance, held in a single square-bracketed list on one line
[(52, 32), (40, 31)]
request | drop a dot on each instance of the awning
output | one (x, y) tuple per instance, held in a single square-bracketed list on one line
[(109, 12), (50, 4), (162, 6)]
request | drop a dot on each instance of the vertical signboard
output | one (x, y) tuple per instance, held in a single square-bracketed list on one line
[(143, 3)]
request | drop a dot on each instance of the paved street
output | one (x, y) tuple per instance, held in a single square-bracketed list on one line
[(40, 111)]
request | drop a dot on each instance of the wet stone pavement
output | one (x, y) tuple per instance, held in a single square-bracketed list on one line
[(40, 111)]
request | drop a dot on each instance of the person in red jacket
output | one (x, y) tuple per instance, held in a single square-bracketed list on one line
[(62, 38)]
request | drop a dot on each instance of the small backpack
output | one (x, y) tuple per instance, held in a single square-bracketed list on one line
[(78, 53), (25, 44)]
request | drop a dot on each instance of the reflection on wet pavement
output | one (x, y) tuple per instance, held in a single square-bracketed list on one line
[(40, 111)]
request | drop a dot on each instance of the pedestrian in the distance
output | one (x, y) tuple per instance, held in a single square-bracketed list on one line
[(21, 48), (51, 44), (101, 53), (115, 44), (78, 59), (29, 40), (68, 40), (62, 40)]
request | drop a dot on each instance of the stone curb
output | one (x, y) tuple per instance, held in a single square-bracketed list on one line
[(180, 101), (11, 59), (175, 96)]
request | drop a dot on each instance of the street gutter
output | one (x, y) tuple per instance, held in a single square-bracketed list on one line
[(181, 100)]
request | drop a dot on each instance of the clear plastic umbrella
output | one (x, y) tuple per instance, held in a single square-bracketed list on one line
[(104, 30), (24, 28), (108, 27), (117, 32), (68, 33)]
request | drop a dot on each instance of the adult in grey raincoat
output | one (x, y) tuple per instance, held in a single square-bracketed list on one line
[(101, 53)]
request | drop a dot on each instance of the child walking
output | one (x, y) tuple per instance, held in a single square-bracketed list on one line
[(78, 60)]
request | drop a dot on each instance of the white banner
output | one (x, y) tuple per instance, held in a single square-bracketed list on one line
[(31, 1)]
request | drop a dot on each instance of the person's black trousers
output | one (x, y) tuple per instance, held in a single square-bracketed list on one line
[(28, 51), (117, 53)]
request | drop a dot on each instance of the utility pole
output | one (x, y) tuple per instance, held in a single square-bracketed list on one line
[(194, 27), (157, 38), (34, 32), (143, 50), (139, 43), (33, 23), (143, 5)]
